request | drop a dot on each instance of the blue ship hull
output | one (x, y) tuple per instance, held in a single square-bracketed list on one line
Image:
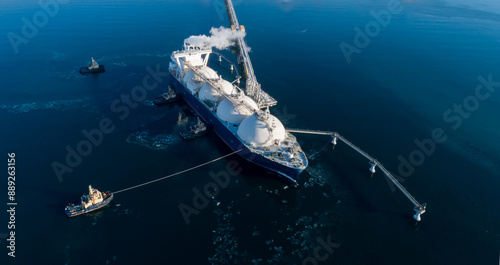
[(232, 140)]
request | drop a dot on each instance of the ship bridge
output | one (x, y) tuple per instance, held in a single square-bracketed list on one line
[(252, 87)]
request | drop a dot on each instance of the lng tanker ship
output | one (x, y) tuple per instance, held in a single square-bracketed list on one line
[(242, 121), (240, 118)]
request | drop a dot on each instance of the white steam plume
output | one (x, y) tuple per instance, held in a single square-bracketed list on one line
[(221, 38)]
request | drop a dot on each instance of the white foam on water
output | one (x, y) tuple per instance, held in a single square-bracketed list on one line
[(226, 244), (61, 105), (319, 176), (157, 142)]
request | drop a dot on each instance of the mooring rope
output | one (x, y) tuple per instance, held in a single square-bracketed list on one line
[(311, 156), (180, 172)]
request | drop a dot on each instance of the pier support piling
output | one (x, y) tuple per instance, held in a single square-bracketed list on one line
[(372, 167)]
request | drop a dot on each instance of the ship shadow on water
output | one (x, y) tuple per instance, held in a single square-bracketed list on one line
[(255, 177)]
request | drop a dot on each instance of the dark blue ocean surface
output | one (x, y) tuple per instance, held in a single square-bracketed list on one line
[(414, 83)]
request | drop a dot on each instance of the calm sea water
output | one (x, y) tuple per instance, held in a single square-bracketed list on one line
[(406, 82)]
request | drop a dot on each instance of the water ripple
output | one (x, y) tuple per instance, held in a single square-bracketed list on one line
[(61, 105)]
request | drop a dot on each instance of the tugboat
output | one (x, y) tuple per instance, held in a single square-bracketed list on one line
[(199, 129), (88, 203), (93, 68), (167, 97)]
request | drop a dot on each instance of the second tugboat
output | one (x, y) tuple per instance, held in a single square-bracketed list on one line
[(91, 202), (93, 68), (199, 129), (166, 97)]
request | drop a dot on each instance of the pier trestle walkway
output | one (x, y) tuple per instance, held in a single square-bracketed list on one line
[(252, 86), (419, 208)]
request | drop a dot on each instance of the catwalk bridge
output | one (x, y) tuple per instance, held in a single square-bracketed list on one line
[(419, 208)]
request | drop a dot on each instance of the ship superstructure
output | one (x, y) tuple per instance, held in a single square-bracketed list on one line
[(92, 68), (242, 120)]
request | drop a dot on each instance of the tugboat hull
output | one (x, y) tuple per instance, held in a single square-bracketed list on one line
[(162, 101), (72, 211), (86, 70), (188, 135)]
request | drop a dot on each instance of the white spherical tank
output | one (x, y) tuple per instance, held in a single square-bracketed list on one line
[(261, 133), (208, 73), (191, 84), (228, 87), (210, 94), (236, 113)]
